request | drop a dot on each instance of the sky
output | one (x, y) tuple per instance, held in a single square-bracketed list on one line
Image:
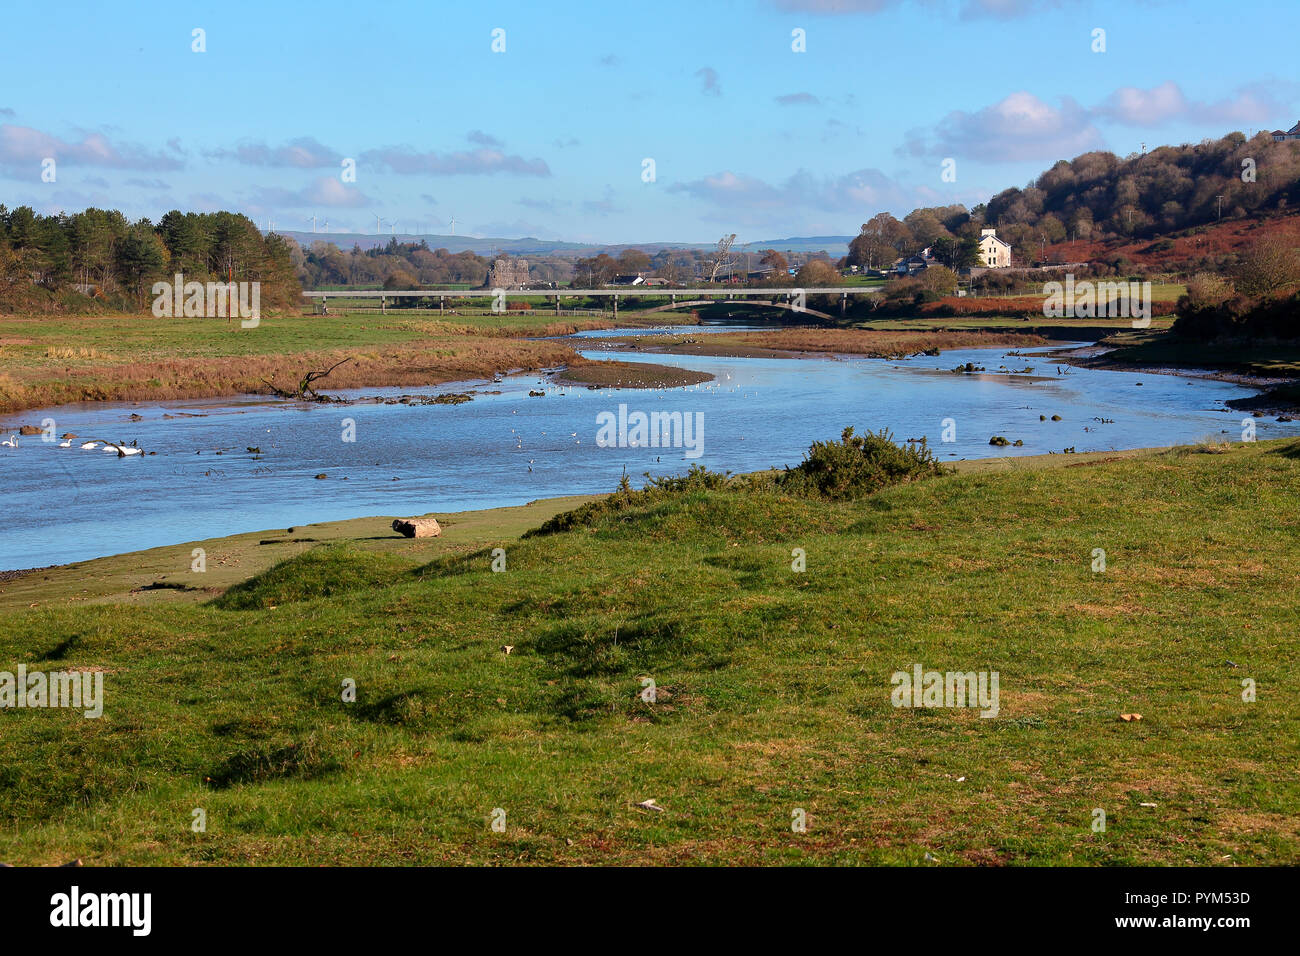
[(673, 120)]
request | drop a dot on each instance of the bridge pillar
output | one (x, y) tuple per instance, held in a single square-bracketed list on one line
[(442, 304), (844, 302), (616, 306), (557, 305), (383, 305)]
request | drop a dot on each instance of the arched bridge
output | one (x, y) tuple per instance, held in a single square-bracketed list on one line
[(792, 299)]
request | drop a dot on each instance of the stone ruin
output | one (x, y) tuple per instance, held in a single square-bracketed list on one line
[(507, 274)]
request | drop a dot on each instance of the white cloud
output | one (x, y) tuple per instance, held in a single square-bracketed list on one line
[(798, 99), (968, 9), (1255, 104), (749, 201), (24, 146), (477, 162), (326, 191), (1018, 127), (301, 153)]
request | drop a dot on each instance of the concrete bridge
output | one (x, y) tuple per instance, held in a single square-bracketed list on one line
[(767, 303), (779, 298)]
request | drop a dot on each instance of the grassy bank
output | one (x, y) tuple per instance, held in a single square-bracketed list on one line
[(49, 360), (777, 343), (773, 685), (1159, 349)]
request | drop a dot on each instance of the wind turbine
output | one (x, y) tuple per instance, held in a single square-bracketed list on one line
[(378, 225), (313, 223), (453, 225)]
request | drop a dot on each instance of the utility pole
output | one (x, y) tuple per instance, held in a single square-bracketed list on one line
[(1219, 201)]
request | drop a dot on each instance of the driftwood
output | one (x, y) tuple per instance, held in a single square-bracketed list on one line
[(305, 392), (417, 527)]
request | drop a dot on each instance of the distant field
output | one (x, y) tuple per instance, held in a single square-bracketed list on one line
[(772, 685), (1077, 329), (1167, 292)]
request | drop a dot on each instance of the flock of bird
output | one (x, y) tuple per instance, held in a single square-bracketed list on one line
[(123, 451)]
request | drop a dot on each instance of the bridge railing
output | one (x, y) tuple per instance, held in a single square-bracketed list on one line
[(655, 292)]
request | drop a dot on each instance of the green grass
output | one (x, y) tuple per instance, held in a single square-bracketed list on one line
[(1268, 359), (24, 341), (774, 686)]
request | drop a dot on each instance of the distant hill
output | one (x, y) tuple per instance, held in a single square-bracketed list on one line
[(835, 246)]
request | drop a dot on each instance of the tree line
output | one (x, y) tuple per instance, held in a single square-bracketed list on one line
[(99, 253)]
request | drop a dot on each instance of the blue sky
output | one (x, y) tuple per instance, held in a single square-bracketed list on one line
[(549, 137)]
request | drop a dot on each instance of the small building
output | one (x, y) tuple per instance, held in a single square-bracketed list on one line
[(628, 280), (911, 265), (1281, 137), (995, 253)]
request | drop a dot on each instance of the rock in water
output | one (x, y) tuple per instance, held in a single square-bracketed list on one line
[(417, 527)]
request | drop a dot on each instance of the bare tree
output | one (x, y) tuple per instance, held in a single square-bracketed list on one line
[(722, 257)]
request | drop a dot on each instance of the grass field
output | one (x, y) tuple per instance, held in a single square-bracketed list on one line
[(773, 684), (47, 360)]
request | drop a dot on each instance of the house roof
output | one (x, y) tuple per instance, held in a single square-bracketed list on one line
[(995, 239)]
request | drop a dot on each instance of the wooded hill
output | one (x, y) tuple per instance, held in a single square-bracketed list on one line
[(1099, 197)]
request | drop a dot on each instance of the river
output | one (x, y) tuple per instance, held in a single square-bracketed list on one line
[(507, 448)]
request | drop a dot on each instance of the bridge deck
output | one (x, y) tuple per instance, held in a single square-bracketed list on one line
[(630, 290)]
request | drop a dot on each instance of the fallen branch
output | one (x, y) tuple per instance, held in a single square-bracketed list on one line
[(305, 391), (304, 387)]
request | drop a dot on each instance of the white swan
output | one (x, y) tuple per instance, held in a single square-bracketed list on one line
[(90, 444), (10, 442), (123, 451), (66, 444)]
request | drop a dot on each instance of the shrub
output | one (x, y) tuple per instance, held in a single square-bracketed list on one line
[(853, 467), (858, 465), (697, 479)]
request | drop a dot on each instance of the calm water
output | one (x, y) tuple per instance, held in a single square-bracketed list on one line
[(66, 504)]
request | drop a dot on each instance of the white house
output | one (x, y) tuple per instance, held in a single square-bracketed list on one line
[(995, 253)]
